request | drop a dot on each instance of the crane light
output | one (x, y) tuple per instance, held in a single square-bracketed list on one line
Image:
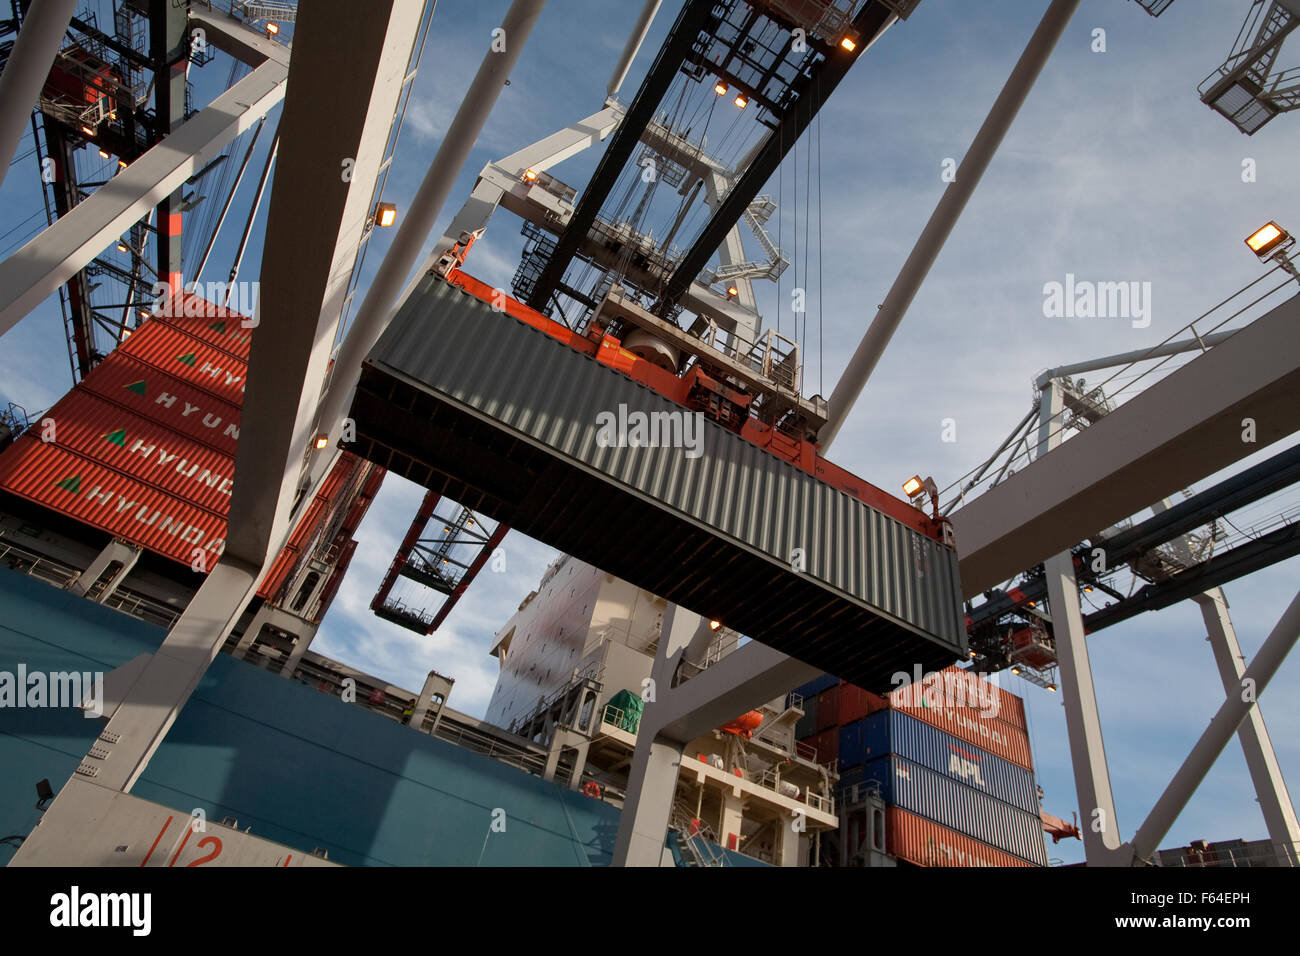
[(1052, 688), (742, 101), (912, 486), (121, 247), (1267, 238), (322, 441), (848, 44), (121, 164), (88, 130), (530, 175), (103, 154), (385, 214), (732, 292), (272, 29), (1016, 671), (720, 89), (714, 625)]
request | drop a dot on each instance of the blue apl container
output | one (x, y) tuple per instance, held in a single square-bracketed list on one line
[(816, 686), (890, 731), (959, 807)]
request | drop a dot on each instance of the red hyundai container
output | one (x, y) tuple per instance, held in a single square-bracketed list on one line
[(924, 843), (954, 687), (155, 395), (163, 347), (828, 708), (213, 325), (83, 489), (143, 449)]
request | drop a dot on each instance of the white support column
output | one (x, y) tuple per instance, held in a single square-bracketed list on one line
[(115, 550), (1240, 702), (302, 641), (1270, 788), (633, 44), (25, 72), (1087, 750)]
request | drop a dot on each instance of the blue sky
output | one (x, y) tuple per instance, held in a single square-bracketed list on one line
[(1114, 171)]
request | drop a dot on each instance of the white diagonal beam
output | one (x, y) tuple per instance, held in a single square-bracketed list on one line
[(35, 272)]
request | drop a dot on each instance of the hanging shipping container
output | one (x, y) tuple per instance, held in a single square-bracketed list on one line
[(892, 731), (157, 396), (960, 807), (477, 404), (926, 843)]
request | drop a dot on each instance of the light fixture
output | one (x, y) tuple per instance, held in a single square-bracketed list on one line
[(1087, 589), (385, 214), (848, 44), (741, 101), (121, 247), (530, 175), (720, 89), (144, 314), (322, 441), (88, 130), (1033, 603), (272, 29), (732, 292), (1016, 671), (972, 654), (714, 625), (1267, 238), (1052, 688), (103, 154), (912, 486), (121, 164)]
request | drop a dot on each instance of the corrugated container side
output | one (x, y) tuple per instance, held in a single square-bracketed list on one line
[(891, 731), (807, 724), (215, 326), (989, 733), (852, 739), (926, 843), (828, 709), (202, 366), (82, 489), (816, 686), (960, 807), (143, 450), (954, 687), (827, 745), (855, 703), (909, 594), (155, 395)]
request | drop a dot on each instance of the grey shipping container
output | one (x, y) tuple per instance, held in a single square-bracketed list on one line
[(959, 807), (504, 418)]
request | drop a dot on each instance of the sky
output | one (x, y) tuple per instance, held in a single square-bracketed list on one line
[(1114, 171)]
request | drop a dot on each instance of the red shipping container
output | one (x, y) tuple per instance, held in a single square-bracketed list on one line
[(828, 708), (212, 371), (856, 703), (919, 841), (954, 687), (155, 395), (80, 488), (213, 325), (827, 745), (144, 450)]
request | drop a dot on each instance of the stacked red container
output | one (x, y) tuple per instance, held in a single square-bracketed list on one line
[(144, 447)]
